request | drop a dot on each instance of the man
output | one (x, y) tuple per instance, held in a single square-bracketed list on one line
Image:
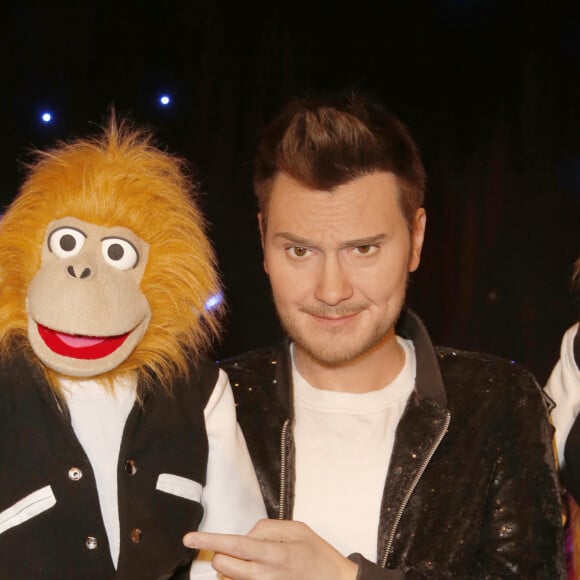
[(392, 459)]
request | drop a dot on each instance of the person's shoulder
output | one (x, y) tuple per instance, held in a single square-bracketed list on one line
[(17, 371), (193, 387), (260, 380), (22, 385), (260, 360), (492, 394), (484, 371), (205, 367), (477, 361)]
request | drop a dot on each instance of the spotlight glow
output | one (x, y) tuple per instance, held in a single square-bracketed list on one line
[(214, 301), (46, 117), (165, 100)]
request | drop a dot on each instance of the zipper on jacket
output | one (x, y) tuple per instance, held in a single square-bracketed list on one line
[(391, 538), (283, 469)]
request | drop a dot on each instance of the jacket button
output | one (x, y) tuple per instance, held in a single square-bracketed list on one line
[(131, 466), (91, 543), (74, 473), (136, 534)]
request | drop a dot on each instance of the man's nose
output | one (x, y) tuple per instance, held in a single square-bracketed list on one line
[(334, 283)]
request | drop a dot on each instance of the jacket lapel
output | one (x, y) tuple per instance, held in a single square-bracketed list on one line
[(420, 430)]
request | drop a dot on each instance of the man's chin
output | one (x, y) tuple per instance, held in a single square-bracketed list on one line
[(337, 350), (333, 355)]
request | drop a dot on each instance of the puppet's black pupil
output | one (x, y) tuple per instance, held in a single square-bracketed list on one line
[(68, 243), (115, 251)]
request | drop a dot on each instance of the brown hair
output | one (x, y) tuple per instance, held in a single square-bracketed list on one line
[(324, 143)]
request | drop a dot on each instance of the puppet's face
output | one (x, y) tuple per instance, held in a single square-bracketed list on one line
[(86, 312)]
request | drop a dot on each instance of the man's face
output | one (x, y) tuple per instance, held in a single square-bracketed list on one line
[(338, 264)]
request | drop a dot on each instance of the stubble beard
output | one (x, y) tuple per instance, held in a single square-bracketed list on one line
[(331, 349)]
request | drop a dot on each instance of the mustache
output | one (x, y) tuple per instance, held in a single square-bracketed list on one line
[(333, 311)]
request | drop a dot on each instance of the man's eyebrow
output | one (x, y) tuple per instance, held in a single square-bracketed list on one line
[(369, 241), (293, 239)]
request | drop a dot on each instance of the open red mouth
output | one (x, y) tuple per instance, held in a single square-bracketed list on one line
[(82, 347)]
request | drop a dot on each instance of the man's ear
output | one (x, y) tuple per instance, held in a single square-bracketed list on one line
[(262, 228), (417, 238)]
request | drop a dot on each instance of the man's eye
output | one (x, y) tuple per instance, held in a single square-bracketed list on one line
[(298, 251), (366, 250)]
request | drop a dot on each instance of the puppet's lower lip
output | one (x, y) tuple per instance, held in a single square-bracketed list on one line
[(81, 347)]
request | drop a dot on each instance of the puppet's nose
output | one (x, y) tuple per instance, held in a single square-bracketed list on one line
[(85, 273)]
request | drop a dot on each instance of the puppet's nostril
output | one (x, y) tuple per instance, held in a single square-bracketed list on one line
[(84, 274)]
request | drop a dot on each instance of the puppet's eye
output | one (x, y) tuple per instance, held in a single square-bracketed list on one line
[(120, 253), (66, 242)]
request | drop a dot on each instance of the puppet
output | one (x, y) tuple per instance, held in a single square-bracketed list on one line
[(117, 436)]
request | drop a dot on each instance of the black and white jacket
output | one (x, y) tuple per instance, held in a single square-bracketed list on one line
[(50, 521)]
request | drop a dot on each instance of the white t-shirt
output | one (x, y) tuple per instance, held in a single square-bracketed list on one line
[(98, 418), (344, 443)]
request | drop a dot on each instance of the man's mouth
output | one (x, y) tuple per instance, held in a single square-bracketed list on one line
[(336, 312), (332, 315), (78, 346)]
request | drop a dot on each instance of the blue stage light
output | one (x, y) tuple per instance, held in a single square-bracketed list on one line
[(214, 301), (165, 100), (46, 117)]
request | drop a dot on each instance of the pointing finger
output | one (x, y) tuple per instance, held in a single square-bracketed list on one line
[(233, 545)]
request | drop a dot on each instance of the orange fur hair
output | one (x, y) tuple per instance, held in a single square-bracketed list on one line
[(118, 179)]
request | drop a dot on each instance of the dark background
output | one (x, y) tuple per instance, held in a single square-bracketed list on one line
[(489, 88)]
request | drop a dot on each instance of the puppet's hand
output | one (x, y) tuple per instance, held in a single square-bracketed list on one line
[(277, 550)]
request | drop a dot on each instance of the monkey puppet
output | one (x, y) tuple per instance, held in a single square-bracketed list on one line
[(116, 436)]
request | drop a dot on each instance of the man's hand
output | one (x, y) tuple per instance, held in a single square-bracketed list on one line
[(274, 550)]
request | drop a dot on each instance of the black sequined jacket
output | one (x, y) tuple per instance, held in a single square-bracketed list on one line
[(471, 490)]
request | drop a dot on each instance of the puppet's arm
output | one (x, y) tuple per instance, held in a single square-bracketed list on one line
[(231, 499)]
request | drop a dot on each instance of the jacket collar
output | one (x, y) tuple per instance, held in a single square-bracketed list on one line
[(428, 382)]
